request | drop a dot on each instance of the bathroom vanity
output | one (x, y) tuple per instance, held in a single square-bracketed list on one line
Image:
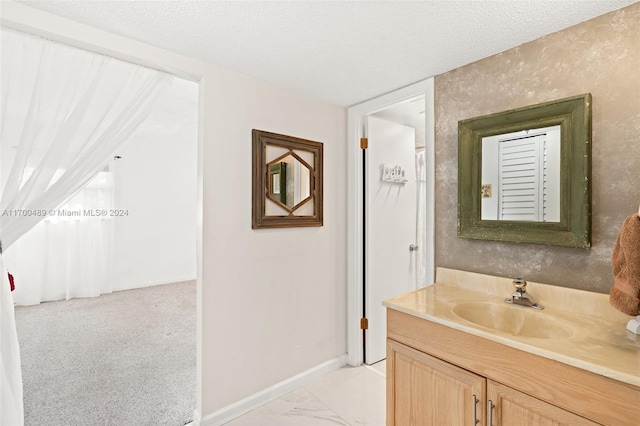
[(458, 355)]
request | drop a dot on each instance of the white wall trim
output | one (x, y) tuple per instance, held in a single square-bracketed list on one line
[(355, 208), (271, 393), (63, 30)]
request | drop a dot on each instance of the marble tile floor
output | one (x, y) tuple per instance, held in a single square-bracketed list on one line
[(349, 396)]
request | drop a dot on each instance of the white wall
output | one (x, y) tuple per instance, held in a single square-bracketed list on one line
[(272, 303), (409, 113), (155, 183), (490, 176)]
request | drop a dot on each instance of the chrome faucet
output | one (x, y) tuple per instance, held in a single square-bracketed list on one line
[(520, 295)]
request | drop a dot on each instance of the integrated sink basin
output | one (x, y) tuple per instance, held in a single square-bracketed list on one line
[(514, 320)]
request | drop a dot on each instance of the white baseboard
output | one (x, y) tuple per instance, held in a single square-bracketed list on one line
[(269, 394), (132, 286)]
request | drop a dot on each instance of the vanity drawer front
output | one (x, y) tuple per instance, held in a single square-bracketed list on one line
[(516, 408)]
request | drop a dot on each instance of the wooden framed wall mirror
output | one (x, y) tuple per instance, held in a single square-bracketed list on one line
[(524, 175), (287, 181)]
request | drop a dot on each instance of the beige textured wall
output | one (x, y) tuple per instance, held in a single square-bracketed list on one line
[(600, 56)]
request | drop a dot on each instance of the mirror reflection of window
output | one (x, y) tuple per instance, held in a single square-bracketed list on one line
[(301, 183), (523, 171), (278, 173)]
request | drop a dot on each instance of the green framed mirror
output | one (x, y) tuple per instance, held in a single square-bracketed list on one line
[(524, 175)]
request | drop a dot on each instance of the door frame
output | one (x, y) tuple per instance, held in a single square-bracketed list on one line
[(355, 212)]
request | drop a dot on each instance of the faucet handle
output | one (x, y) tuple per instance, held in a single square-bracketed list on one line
[(520, 284)]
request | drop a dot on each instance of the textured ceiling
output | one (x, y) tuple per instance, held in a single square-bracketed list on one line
[(342, 52)]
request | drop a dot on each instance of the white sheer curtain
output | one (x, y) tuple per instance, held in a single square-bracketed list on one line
[(63, 113), (76, 245), (11, 407)]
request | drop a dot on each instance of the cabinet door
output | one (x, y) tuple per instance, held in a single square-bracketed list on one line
[(516, 408), (425, 391)]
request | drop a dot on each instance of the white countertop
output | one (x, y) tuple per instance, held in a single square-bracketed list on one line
[(596, 340)]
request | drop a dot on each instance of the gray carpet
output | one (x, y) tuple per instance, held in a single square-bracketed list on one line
[(126, 358)]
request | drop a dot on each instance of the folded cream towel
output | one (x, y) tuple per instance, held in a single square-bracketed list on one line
[(625, 293)]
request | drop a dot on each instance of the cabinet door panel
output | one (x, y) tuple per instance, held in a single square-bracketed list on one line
[(516, 408), (425, 391)]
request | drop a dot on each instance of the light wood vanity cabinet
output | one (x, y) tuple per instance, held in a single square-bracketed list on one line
[(436, 373), (424, 390)]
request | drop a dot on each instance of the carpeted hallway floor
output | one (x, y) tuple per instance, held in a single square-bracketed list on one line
[(119, 359)]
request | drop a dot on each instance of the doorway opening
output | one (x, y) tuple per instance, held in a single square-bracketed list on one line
[(394, 214), (391, 239), (171, 183)]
